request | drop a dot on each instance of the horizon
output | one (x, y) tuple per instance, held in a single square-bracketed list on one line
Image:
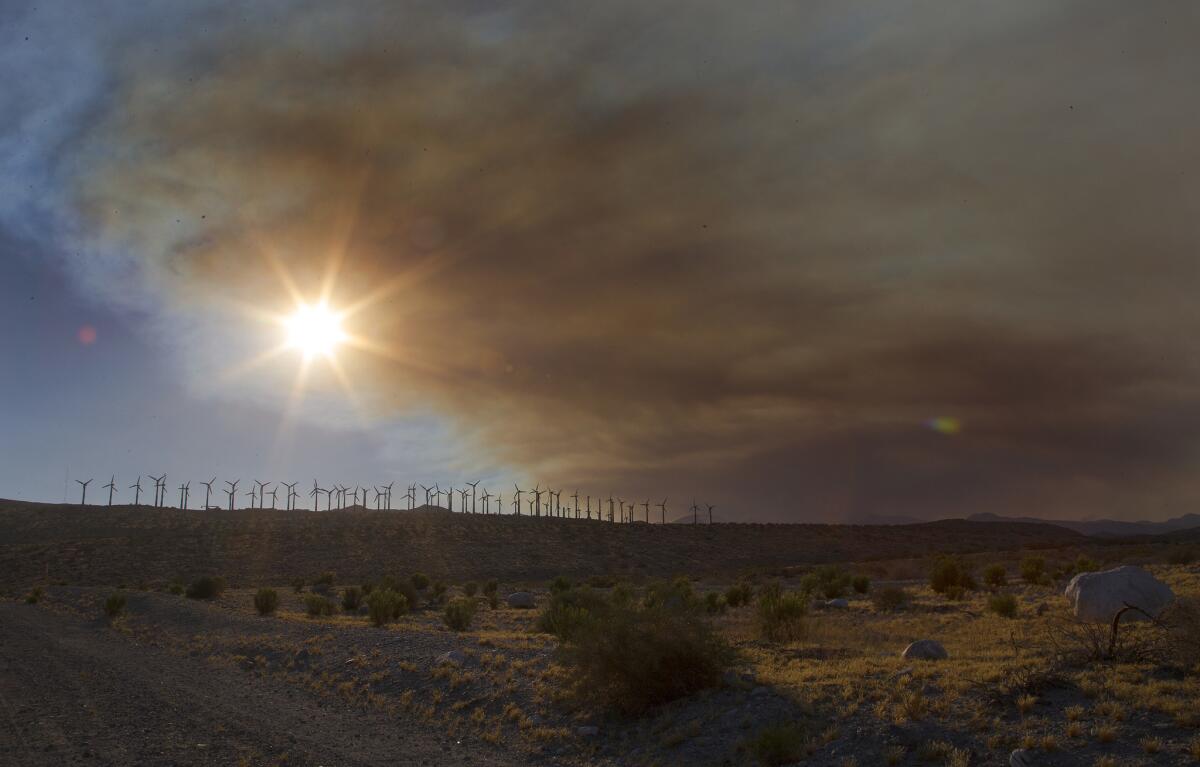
[(812, 263)]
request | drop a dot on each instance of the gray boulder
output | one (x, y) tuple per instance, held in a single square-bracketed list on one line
[(521, 599), (1022, 757), (925, 649), (1096, 597), (453, 658), (838, 604)]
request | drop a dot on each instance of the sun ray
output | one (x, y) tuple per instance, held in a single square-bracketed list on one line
[(254, 363)]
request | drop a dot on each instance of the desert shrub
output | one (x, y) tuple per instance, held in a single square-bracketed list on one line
[(470, 587), (367, 587), (1033, 569), (567, 612), (324, 579), (439, 592), (676, 595), (403, 586), (490, 588), (1004, 605), (115, 604), (298, 585), (1085, 564), (889, 599), (827, 580), (266, 601), (493, 601), (561, 583), (316, 605), (351, 598), (779, 744), (384, 605), (420, 581), (951, 577), (34, 596), (781, 614), (459, 613), (622, 595), (175, 588), (714, 603), (1180, 625), (207, 587), (861, 584), (995, 576), (739, 594), (633, 658), (1181, 556)]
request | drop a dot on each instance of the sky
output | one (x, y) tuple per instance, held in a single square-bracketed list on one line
[(804, 261)]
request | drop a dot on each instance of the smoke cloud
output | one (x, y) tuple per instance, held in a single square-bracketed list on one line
[(745, 250)]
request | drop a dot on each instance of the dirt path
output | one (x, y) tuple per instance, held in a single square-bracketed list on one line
[(76, 692)]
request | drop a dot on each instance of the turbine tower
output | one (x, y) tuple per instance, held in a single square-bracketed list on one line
[(112, 485), (232, 491), (83, 495), (137, 490), (208, 492)]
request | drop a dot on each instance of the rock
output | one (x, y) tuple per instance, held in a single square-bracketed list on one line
[(925, 649), (452, 658), (1096, 597), (587, 731), (1022, 757), (521, 599), (838, 604)]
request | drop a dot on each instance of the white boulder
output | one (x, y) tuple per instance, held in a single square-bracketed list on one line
[(521, 599), (925, 649), (1096, 597)]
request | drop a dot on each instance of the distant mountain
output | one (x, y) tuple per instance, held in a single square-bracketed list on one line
[(1104, 528)]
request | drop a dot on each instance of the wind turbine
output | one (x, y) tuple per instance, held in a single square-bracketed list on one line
[(316, 492), (252, 493), (517, 499), (472, 484), (426, 489), (289, 499), (387, 495), (450, 499), (112, 485), (589, 507), (710, 511), (83, 496), (646, 506), (621, 501), (208, 491), (274, 493), (576, 499), (663, 508), (232, 491), (610, 509), (329, 498), (160, 484), (695, 512), (487, 506), (137, 490), (183, 494), (411, 496), (537, 496), (462, 494), (262, 487)]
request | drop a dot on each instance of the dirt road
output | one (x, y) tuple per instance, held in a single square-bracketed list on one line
[(73, 691)]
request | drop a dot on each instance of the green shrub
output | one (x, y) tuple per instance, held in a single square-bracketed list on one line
[(1033, 569), (561, 583), (779, 744), (632, 658), (827, 580), (316, 605), (324, 579), (420, 581), (1004, 605), (351, 598), (115, 604), (676, 595), (34, 596), (385, 605), (403, 586), (493, 601), (266, 601), (739, 594), (470, 587), (861, 584), (567, 612), (175, 588), (995, 576), (1085, 564), (781, 614), (889, 599), (208, 587), (439, 592), (490, 588), (950, 574), (459, 613), (298, 585), (714, 603)]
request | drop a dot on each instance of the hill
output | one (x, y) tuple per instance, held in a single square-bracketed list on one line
[(124, 544), (1105, 528)]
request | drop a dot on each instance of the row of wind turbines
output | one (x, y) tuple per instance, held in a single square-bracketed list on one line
[(537, 502)]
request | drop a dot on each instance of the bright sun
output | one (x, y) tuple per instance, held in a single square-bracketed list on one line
[(315, 330)]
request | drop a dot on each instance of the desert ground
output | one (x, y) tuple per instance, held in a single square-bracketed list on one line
[(141, 636)]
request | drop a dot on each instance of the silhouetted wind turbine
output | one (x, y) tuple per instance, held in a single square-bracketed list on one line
[(710, 511), (232, 491), (289, 499), (316, 492), (695, 512), (646, 506), (251, 492), (83, 496), (160, 487), (208, 491), (112, 485), (610, 509), (487, 506), (262, 486), (517, 499), (663, 508), (576, 499), (274, 493), (589, 507), (183, 494), (472, 484), (537, 496), (137, 490)]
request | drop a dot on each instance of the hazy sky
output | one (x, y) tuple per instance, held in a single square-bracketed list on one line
[(808, 260)]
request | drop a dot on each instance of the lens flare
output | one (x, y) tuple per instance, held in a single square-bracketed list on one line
[(944, 424), (315, 330)]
